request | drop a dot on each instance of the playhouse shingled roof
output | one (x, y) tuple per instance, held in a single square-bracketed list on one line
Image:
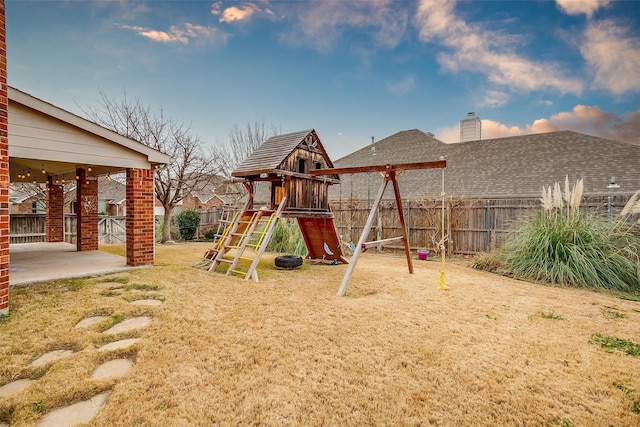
[(511, 167), (269, 157)]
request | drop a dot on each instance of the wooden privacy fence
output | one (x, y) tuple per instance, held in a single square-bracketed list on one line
[(30, 228), (112, 230), (471, 225), (27, 228)]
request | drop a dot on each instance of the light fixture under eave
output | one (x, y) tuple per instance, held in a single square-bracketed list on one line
[(29, 172), (43, 171), (89, 168), (109, 176)]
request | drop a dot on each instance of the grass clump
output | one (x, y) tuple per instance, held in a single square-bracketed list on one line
[(564, 245), (551, 315), (614, 343), (287, 238)]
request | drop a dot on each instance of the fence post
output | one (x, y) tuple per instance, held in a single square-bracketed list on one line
[(488, 205), (409, 220), (609, 208)]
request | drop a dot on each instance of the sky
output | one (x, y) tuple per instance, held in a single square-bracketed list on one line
[(350, 69)]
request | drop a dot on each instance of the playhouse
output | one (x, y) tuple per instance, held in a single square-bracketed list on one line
[(284, 163)]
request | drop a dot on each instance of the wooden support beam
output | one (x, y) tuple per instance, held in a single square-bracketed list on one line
[(367, 245), (403, 227), (380, 168), (363, 236)]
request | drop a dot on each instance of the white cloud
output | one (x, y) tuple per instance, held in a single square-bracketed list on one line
[(585, 119), (242, 12), (182, 35), (402, 86), (579, 7), (322, 23), (238, 13), (494, 98), (476, 49), (614, 55)]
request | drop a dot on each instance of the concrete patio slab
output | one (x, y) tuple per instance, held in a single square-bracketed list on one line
[(37, 262)]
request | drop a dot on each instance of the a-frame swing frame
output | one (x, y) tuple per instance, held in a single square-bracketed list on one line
[(390, 173)]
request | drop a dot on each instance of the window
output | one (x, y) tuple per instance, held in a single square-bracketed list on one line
[(318, 165), (38, 207), (302, 166)]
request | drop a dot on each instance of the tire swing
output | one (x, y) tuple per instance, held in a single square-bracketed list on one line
[(288, 262)]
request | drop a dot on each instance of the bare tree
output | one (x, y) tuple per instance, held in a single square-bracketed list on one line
[(193, 167), (243, 141)]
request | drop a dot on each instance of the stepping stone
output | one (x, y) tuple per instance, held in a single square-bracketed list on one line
[(50, 357), (88, 321), (78, 413), (113, 369), (14, 387), (129, 325), (116, 345), (149, 302), (110, 285)]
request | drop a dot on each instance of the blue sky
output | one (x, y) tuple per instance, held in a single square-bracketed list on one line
[(350, 69)]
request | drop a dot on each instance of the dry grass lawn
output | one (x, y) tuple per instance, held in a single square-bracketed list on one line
[(288, 352)]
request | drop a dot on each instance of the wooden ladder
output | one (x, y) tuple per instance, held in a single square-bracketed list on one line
[(227, 222), (250, 244)]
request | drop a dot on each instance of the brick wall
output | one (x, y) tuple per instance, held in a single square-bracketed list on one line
[(54, 224), (87, 213), (4, 170), (140, 219)]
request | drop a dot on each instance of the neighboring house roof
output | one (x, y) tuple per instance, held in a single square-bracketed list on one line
[(272, 154), (42, 135), (503, 167), (114, 191)]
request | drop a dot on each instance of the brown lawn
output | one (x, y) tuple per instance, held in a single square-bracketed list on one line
[(288, 352)]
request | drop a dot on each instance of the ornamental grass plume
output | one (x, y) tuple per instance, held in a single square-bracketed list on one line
[(573, 247), (632, 207)]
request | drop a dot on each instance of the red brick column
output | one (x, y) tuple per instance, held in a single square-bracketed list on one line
[(86, 212), (140, 220), (4, 170), (55, 212)]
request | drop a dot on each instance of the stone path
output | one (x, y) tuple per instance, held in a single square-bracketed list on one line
[(83, 412), (78, 413)]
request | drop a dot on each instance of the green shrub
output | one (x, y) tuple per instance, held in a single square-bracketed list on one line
[(209, 234), (188, 222), (562, 244), (287, 238)]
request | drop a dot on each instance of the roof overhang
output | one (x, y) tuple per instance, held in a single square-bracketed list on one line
[(45, 137)]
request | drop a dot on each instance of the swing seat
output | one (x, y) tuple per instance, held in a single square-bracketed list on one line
[(327, 249)]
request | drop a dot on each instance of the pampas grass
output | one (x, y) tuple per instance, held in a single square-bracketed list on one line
[(287, 238), (564, 245)]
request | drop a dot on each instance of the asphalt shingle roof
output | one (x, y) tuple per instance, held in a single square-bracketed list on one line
[(271, 153), (504, 167)]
